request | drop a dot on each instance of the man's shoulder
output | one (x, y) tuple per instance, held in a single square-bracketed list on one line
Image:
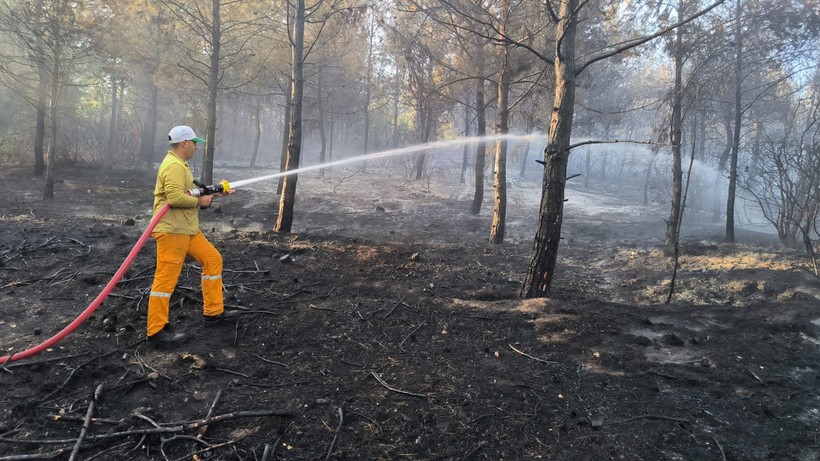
[(172, 161)]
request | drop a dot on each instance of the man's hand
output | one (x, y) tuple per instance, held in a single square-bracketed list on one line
[(204, 201), (222, 194)]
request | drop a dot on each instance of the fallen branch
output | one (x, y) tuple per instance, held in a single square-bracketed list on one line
[(49, 455), (87, 422), (171, 428), (204, 429), (386, 386)]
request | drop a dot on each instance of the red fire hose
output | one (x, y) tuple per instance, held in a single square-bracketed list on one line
[(97, 301)]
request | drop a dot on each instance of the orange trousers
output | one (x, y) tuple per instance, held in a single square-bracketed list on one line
[(171, 252)]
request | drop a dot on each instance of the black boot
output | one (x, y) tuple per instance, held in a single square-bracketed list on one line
[(167, 337), (226, 315)]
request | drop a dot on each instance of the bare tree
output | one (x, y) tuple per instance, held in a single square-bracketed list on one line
[(224, 34), (284, 221), (567, 16)]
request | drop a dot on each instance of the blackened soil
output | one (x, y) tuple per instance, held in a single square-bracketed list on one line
[(385, 328)]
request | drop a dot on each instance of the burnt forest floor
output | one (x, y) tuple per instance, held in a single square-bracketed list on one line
[(386, 328)]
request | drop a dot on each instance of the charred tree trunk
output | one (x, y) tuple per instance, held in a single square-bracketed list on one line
[(149, 124), (556, 155), (51, 167), (112, 125), (40, 130), (675, 138), (284, 222), (283, 157), (500, 174), (368, 94), (730, 200), (481, 130), (322, 134), (465, 153), (258, 128), (213, 81)]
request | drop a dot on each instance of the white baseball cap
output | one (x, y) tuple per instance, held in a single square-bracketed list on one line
[(183, 133)]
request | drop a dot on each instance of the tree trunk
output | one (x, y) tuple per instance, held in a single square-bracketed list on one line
[(675, 138), (149, 124), (257, 118), (465, 153), (545, 248), (321, 110), (730, 200), (284, 222), (500, 174), (213, 81), (481, 131), (112, 125), (396, 100), (367, 94), (40, 131), (283, 156), (51, 167)]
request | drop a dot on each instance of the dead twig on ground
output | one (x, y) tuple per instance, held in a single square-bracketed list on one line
[(272, 362), (71, 375), (470, 453), (401, 301), (204, 429), (53, 359), (208, 449), (662, 417), (231, 372), (401, 344), (87, 423), (399, 391), (336, 434), (720, 447), (532, 357), (322, 308), (49, 455), (166, 428)]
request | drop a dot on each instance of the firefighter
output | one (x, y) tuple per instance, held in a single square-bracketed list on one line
[(177, 236)]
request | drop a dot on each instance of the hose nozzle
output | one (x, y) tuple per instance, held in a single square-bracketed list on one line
[(201, 189)]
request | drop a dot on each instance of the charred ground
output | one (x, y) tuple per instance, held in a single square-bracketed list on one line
[(386, 328)]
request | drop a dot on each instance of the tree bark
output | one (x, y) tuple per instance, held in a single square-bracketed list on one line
[(257, 118), (556, 155), (367, 94), (481, 130), (213, 81), (283, 156), (730, 200), (676, 137), (465, 152), (284, 222), (500, 174), (112, 124), (40, 130), (51, 167)]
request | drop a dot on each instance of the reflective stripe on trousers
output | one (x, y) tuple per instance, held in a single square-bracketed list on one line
[(171, 252)]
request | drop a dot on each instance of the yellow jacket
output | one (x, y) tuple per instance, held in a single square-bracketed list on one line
[(174, 178)]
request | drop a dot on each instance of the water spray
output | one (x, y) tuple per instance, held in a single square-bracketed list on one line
[(225, 187)]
